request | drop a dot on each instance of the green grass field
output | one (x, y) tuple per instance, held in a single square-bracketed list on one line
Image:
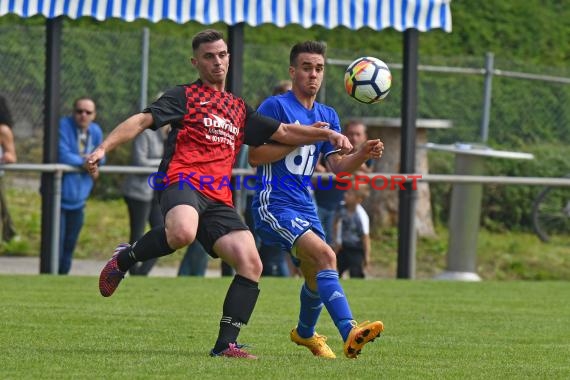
[(60, 327)]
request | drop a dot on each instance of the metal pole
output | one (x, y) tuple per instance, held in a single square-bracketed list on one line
[(489, 61), (407, 198), (56, 221), (234, 82), (144, 67), (49, 249)]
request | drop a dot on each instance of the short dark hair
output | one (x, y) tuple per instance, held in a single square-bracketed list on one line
[(282, 87), (352, 122), (5, 115), (83, 98), (208, 35), (314, 47)]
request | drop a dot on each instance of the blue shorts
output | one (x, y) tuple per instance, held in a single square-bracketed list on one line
[(277, 226)]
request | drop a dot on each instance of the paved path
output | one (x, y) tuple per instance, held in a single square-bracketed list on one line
[(31, 265)]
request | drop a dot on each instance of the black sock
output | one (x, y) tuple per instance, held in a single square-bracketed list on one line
[(152, 244), (238, 306)]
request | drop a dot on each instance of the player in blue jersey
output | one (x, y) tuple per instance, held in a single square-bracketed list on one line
[(285, 214)]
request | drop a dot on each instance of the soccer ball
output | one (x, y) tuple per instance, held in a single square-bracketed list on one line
[(367, 80)]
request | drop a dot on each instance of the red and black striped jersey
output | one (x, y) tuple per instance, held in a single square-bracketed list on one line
[(208, 129)]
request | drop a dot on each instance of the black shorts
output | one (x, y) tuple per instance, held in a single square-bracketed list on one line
[(216, 219)]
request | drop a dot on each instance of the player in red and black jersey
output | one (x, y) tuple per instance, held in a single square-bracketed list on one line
[(209, 126)]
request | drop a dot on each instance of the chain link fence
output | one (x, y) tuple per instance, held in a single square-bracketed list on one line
[(106, 64)]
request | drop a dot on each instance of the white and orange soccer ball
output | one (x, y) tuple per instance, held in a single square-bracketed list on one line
[(368, 80)]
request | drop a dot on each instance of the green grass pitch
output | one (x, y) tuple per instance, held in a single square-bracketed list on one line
[(60, 327)]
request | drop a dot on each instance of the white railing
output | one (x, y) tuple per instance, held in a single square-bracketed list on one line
[(445, 178)]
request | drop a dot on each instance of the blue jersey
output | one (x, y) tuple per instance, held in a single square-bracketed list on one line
[(283, 201), (285, 182)]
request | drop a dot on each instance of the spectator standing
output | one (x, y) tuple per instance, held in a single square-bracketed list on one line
[(79, 135), (141, 200), (7, 156), (353, 229), (327, 196), (355, 130), (328, 199)]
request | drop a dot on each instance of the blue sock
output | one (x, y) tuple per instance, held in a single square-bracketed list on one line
[(311, 307), (333, 297)]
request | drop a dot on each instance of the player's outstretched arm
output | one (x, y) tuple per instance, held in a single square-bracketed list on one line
[(124, 132), (352, 162), (267, 153), (295, 134)]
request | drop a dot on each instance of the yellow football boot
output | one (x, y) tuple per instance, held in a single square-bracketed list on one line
[(317, 344), (360, 335)]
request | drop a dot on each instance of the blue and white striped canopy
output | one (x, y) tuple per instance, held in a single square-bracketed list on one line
[(422, 15)]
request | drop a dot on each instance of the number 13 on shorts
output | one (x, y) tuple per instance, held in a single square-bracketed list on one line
[(299, 223)]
